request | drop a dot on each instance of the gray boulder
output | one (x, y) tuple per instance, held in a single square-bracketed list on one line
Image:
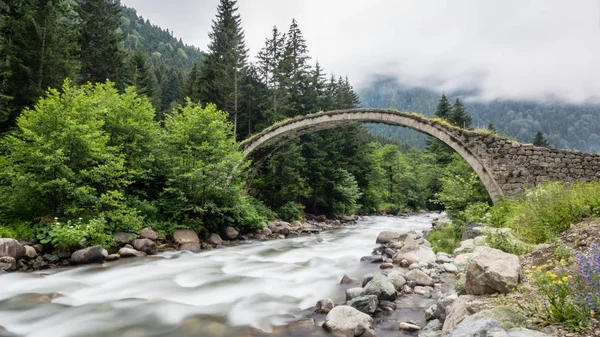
[(183, 236), (432, 329), (477, 328), (129, 252), (381, 287), (397, 280), (419, 277), (460, 309), (492, 271), (8, 263), (123, 238), (88, 255), (522, 332), (12, 248), (346, 321), (30, 253), (353, 293), (415, 253), (324, 306), (145, 245), (214, 239), (191, 247), (442, 305), (367, 304), (349, 280), (231, 233), (112, 257), (148, 233), (387, 237)]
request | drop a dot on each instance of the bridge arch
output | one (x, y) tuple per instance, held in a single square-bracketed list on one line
[(265, 142)]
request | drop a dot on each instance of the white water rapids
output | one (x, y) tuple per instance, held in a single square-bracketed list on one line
[(261, 284)]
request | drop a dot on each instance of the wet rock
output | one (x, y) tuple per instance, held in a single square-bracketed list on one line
[(387, 237), (266, 232), (419, 277), (148, 233), (381, 287), (260, 237), (346, 321), (8, 263), (387, 305), (397, 280), (476, 328), (39, 263), (492, 271), (409, 327), (214, 239), (52, 259), (12, 248), (112, 257), (423, 291), (128, 252), (386, 266), (366, 280), (145, 245), (442, 305), (353, 293), (231, 233), (414, 266), (389, 252), (430, 312), (183, 236), (450, 268), (324, 306), (191, 247), (30, 253), (415, 253), (321, 218), (64, 255), (123, 238), (349, 280), (432, 329), (88, 255), (104, 253), (372, 259), (367, 304), (443, 258)]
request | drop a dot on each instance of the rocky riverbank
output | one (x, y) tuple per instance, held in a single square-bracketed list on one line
[(28, 256)]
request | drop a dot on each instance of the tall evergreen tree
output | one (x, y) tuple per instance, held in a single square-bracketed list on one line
[(296, 71), (443, 108), (224, 68), (101, 55), (139, 73), (270, 59), (459, 116), (540, 140)]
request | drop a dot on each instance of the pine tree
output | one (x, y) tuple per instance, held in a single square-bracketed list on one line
[(491, 127), (458, 115), (443, 108), (270, 59), (101, 54), (540, 140), (296, 71), (139, 74), (224, 68)]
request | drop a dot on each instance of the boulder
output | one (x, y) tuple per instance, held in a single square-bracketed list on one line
[(387, 237), (387, 305), (88, 255), (191, 247), (432, 329), (419, 277), (450, 268), (386, 265), (478, 328), (415, 240), (112, 257), (472, 231), (231, 233), (260, 237), (265, 232), (409, 326), (381, 287), (321, 218), (53, 259), (508, 317), (460, 309), (148, 233), (441, 307), (8, 263), (353, 293), (129, 252), (522, 332), (123, 238), (349, 280), (466, 246), (367, 304), (145, 245), (492, 271), (30, 253), (214, 239), (397, 280), (461, 260), (284, 228), (415, 253), (443, 258), (346, 321), (12, 248), (183, 236), (324, 306), (372, 259)]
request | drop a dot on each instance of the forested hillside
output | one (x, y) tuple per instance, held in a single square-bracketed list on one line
[(565, 126)]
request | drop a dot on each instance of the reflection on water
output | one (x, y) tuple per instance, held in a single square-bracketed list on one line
[(234, 291)]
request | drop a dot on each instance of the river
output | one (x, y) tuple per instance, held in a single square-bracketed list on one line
[(232, 291)]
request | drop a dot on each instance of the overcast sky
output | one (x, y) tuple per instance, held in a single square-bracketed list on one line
[(521, 49)]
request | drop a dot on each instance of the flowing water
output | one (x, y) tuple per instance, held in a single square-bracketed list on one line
[(234, 291)]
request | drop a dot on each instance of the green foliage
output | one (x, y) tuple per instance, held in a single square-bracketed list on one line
[(346, 192), (545, 211), (446, 238), (540, 140), (75, 233), (506, 243), (18, 230), (477, 212), (291, 211)]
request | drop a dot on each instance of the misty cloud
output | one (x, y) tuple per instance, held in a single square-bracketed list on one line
[(535, 49)]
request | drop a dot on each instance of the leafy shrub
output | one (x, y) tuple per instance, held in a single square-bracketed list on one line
[(446, 239), (477, 212), (506, 243), (291, 211), (18, 230), (74, 233)]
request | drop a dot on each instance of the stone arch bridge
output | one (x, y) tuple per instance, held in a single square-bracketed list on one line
[(504, 166)]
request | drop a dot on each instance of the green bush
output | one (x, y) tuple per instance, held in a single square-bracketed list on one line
[(446, 239), (18, 230), (505, 243), (291, 211), (72, 234), (477, 212)]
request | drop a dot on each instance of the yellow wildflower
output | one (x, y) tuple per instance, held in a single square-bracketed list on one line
[(532, 267), (565, 279), (559, 282)]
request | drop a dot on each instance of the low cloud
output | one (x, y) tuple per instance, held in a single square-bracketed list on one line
[(511, 49)]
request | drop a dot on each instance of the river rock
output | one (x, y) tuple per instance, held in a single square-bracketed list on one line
[(450, 268), (419, 277), (260, 237), (346, 321), (191, 247), (492, 271), (476, 328), (39, 263), (129, 252), (265, 232), (12, 248), (386, 265), (367, 304), (123, 238), (415, 253), (321, 218), (214, 239), (88, 255), (432, 329), (387, 305), (52, 259), (372, 259), (466, 246), (148, 233), (349, 280), (397, 280), (387, 237), (472, 231), (414, 266), (231, 233), (522, 332), (461, 260), (112, 257), (381, 287), (353, 293), (145, 245), (324, 306), (409, 326), (443, 259), (441, 306), (8, 263), (183, 236), (30, 253), (460, 309)]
